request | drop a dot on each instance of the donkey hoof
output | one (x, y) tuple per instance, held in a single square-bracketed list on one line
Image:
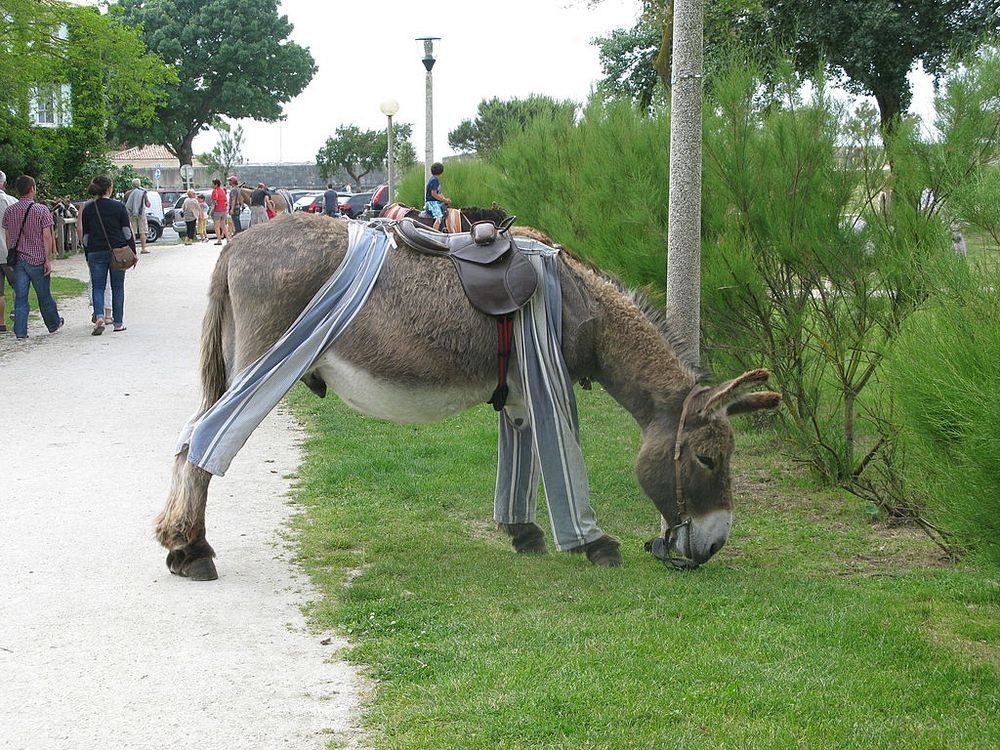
[(604, 551), (175, 561), (182, 563), (525, 537), (201, 569)]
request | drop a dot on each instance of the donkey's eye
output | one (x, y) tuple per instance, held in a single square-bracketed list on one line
[(707, 461)]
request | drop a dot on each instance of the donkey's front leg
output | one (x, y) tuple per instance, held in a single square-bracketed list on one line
[(180, 527)]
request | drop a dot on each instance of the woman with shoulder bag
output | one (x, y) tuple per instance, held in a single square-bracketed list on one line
[(105, 225)]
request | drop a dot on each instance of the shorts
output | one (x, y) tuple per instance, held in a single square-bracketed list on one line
[(435, 209), (218, 216), (140, 227)]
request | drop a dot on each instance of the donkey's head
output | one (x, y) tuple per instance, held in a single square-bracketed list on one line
[(684, 466)]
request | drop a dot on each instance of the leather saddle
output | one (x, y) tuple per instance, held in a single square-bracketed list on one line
[(497, 277)]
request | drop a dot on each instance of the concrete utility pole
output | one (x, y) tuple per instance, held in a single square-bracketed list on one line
[(428, 61), (684, 210)]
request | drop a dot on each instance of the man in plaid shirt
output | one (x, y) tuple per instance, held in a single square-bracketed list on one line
[(28, 227)]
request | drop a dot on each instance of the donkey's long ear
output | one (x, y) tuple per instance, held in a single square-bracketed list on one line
[(754, 401), (732, 397)]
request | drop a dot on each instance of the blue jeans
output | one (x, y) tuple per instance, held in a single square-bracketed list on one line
[(100, 267), (236, 221), (26, 274)]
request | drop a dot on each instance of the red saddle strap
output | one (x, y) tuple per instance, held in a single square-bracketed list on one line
[(505, 342)]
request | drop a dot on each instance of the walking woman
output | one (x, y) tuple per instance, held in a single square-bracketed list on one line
[(191, 212), (105, 226)]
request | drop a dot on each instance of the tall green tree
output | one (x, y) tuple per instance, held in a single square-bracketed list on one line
[(871, 45), (404, 155), (628, 61), (636, 62), (112, 76), (868, 46), (233, 59), (358, 152), (227, 153), (497, 120)]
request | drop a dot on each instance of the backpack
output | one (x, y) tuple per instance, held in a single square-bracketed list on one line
[(142, 203)]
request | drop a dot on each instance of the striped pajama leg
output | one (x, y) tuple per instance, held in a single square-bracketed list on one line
[(548, 438)]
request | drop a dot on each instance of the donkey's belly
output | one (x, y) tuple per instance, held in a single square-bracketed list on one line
[(396, 401)]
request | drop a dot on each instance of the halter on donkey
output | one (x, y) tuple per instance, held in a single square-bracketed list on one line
[(587, 329)]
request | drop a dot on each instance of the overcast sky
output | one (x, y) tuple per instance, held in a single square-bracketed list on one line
[(366, 53)]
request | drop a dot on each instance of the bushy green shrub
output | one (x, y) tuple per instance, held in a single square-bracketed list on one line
[(599, 187), (467, 181), (944, 376), (800, 274)]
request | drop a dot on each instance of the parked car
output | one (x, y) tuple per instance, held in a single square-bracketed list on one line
[(296, 194), (313, 202), (380, 197), (356, 205), (342, 199), (305, 202)]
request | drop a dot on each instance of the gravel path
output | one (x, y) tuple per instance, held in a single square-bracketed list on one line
[(100, 647)]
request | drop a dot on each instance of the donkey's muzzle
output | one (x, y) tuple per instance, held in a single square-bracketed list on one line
[(661, 549)]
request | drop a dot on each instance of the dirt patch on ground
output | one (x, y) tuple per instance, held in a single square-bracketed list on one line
[(768, 480)]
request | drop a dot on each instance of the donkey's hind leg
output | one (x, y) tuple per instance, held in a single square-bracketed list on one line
[(516, 495), (180, 527)]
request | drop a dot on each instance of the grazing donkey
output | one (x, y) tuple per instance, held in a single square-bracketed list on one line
[(418, 351)]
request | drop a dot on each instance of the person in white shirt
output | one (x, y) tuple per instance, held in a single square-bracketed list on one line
[(5, 200), (136, 203)]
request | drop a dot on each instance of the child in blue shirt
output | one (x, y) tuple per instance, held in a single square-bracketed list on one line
[(435, 201)]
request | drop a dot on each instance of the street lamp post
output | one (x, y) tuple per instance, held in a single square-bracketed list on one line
[(428, 61), (389, 108)]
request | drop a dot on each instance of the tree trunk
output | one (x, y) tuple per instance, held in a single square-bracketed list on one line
[(889, 110), (184, 151)]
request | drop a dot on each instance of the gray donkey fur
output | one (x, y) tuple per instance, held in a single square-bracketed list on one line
[(418, 351)]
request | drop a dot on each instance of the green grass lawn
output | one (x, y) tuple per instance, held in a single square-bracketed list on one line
[(815, 626), (61, 287)]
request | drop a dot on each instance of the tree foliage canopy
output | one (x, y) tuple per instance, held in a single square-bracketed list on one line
[(637, 61), (869, 46), (497, 120), (232, 58), (359, 152), (111, 74), (227, 153)]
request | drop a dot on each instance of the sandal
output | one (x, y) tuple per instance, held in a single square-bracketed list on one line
[(98, 327)]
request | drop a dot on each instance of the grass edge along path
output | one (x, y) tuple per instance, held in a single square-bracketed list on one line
[(812, 628), (61, 287)]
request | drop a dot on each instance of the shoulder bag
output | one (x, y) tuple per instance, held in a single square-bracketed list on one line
[(122, 258), (12, 252)]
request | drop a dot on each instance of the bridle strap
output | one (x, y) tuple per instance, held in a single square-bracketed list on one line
[(660, 547), (682, 514)]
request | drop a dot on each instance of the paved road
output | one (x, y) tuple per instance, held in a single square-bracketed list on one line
[(100, 647)]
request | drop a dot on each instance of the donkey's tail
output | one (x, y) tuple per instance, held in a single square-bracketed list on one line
[(213, 362)]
